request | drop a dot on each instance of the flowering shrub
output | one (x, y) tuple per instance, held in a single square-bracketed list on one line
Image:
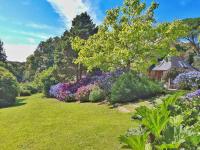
[(67, 91), (60, 91), (105, 81), (188, 80), (192, 95), (83, 92)]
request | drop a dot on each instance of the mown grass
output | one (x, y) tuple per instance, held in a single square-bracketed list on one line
[(37, 123)]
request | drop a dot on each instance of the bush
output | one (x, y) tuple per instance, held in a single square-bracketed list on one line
[(106, 82), (8, 87), (83, 93), (195, 94), (26, 89), (188, 80), (25, 92), (131, 86), (96, 95), (47, 78), (171, 125), (63, 91)]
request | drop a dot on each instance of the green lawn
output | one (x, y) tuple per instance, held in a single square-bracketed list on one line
[(37, 123)]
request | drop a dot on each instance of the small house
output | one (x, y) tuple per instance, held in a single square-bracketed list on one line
[(160, 71)]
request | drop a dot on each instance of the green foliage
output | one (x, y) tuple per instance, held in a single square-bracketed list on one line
[(57, 52), (2, 52), (24, 92), (26, 89), (16, 68), (165, 129), (83, 26), (96, 95), (189, 109), (128, 38), (42, 59), (193, 33), (131, 86), (136, 142), (46, 79), (8, 87), (196, 62)]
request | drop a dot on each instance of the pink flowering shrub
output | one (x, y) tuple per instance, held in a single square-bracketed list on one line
[(72, 91), (83, 92)]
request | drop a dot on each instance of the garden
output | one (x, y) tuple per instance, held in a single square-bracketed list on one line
[(91, 89)]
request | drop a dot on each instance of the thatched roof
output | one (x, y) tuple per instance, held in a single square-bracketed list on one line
[(171, 63)]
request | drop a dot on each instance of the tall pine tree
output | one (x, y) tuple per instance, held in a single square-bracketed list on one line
[(82, 27)]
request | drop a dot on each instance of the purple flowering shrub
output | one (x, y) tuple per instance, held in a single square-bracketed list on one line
[(68, 91), (83, 92), (195, 94), (188, 80), (61, 91)]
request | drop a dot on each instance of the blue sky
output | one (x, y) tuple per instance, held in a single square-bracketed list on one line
[(24, 23)]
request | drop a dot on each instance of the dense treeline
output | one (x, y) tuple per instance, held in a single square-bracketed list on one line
[(55, 60), (16, 68), (58, 52)]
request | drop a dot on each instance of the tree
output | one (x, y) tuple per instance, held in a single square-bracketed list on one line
[(82, 27), (128, 38), (2, 52), (42, 59), (193, 33), (63, 61), (58, 52)]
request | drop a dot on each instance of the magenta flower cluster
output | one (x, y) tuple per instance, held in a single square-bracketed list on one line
[(65, 91)]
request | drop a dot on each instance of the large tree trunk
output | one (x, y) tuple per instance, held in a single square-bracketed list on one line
[(80, 71), (77, 72)]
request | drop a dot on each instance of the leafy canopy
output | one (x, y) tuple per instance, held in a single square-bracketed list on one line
[(193, 33), (128, 37)]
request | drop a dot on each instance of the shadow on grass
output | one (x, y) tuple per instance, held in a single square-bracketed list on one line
[(133, 102), (18, 102)]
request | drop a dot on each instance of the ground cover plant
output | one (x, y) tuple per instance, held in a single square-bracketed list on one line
[(43, 123), (173, 124)]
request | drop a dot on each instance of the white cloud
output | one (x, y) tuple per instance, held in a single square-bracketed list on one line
[(31, 40), (68, 9), (19, 52), (39, 26), (37, 35)]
